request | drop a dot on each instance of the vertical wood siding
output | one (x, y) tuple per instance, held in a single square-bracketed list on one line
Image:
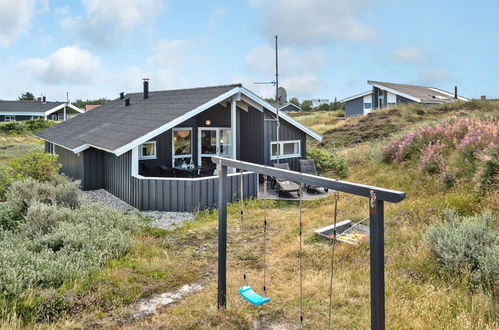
[(286, 132), (72, 164), (171, 194)]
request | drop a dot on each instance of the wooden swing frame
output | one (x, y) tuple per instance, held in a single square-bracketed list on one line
[(377, 196)]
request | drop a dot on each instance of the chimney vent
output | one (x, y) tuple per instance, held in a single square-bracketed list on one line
[(455, 92), (127, 102), (44, 99), (483, 97), (122, 96), (146, 88)]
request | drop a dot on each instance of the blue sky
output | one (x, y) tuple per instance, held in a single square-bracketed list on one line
[(328, 48)]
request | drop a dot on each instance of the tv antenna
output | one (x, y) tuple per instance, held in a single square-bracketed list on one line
[(280, 95)]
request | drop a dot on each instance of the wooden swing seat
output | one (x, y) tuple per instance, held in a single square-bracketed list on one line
[(252, 297)]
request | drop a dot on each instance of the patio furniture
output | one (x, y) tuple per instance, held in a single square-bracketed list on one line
[(207, 171), (186, 172), (165, 171), (308, 166), (284, 186)]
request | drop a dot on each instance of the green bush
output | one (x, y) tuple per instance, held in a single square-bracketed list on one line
[(328, 163), (22, 194), (467, 246), (37, 165), (26, 127), (48, 237)]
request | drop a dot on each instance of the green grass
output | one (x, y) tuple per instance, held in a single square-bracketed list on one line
[(11, 147)]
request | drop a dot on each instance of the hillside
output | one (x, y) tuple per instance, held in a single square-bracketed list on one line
[(421, 293)]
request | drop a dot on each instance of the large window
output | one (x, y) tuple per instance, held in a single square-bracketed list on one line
[(213, 141), (287, 149), (10, 118), (148, 150), (182, 146)]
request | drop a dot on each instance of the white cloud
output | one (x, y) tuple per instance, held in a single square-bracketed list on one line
[(15, 19), (216, 16), (105, 20), (69, 64), (305, 84), (171, 52), (313, 21), (411, 55)]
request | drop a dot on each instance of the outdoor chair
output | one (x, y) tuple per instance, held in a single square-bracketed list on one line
[(308, 166), (285, 186)]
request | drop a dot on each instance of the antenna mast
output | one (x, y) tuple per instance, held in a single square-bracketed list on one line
[(277, 96)]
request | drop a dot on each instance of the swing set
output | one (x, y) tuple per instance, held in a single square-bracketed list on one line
[(377, 196)]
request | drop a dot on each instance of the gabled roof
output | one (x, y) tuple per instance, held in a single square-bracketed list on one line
[(117, 128), (356, 96), (32, 108), (290, 104), (416, 93)]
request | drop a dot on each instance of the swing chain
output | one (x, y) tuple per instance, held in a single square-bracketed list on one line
[(265, 237), (241, 217)]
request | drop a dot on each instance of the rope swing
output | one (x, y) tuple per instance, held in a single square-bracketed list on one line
[(246, 291)]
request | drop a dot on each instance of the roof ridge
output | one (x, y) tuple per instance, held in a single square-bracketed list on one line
[(190, 88)]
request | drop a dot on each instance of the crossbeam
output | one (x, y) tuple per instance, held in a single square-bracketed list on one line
[(376, 195), (387, 195)]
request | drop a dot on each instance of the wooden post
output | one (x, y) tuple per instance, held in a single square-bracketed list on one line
[(222, 236), (377, 262)]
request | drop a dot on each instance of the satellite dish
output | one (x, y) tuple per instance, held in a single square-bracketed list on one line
[(282, 95)]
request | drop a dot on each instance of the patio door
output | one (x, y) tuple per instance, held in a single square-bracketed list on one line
[(213, 141)]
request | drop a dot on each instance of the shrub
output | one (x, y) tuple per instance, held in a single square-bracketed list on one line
[(37, 165), (9, 219), (328, 162), (55, 244), (22, 194), (457, 148), (26, 127), (469, 246)]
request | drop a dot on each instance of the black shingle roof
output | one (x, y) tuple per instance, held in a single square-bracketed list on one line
[(114, 125), (27, 106)]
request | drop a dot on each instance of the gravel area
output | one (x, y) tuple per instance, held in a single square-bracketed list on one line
[(159, 219)]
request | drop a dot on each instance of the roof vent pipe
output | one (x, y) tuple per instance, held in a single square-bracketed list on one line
[(455, 92), (122, 96), (44, 99), (127, 102), (146, 88)]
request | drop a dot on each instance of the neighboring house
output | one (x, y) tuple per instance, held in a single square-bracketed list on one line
[(318, 102), (91, 106), (11, 111), (290, 107), (359, 104), (384, 94), (138, 146)]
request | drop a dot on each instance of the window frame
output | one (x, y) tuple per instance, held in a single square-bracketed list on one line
[(281, 149), (173, 144), (154, 156), (12, 118)]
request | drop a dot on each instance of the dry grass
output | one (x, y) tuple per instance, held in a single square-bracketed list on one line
[(15, 146)]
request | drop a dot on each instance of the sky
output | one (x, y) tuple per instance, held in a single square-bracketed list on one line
[(327, 48)]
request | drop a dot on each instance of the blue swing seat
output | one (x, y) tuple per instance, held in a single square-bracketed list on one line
[(251, 296)]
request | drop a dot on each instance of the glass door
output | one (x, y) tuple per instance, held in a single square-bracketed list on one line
[(213, 141)]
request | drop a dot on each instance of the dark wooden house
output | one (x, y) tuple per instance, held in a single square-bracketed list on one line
[(153, 149)]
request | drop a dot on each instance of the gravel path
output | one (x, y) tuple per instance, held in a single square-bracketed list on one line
[(159, 219)]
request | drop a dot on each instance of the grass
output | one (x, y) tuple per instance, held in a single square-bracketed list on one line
[(18, 145), (419, 293), (320, 121)]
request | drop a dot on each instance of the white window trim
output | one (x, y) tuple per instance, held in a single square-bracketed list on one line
[(142, 157), (12, 119), (217, 153), (173, 144), (281, 149)]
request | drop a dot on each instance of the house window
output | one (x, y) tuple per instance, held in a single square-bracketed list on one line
[(148, 150), (10, 118), (50, 148), (182, 146), (367, 106), (391, 104), (54, 117), (287, 149)]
